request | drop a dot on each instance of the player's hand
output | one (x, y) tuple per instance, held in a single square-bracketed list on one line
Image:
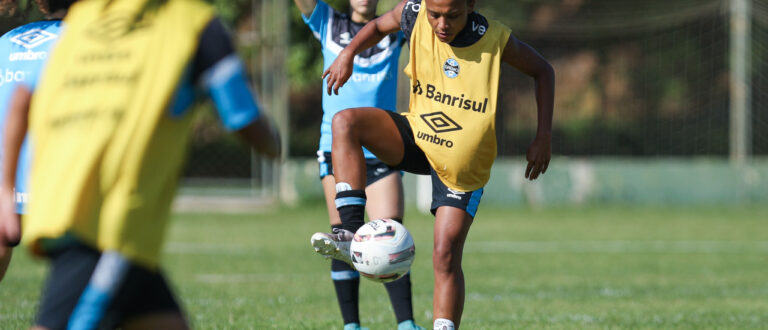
[(339, 71), (538, 156), (10, 224)]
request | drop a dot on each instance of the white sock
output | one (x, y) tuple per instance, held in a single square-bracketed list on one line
[(443, 324)]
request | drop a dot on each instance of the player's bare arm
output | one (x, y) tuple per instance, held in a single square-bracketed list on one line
[(524, 58), (341, 69), (15, 130), (262, 136), (306, 7)]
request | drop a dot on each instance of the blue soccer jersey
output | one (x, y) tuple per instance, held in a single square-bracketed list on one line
[(23, 52), (374, 79)]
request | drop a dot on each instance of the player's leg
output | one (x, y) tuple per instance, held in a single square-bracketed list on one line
[(329, 191), (6, 252), (88, 289), (10, 227), (385, 200), (145, 301), (71, 267), (353, 128), (370, 127), (385, 195), (387, 135), (451, 229), (454, 213), (346, 280)]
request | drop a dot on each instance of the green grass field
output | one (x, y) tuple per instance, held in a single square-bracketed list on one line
[(565, 268)]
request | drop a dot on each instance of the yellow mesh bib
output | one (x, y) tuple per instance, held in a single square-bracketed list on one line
[(107, 155), (453, 102)]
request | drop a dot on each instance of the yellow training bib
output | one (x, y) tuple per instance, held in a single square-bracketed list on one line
[(107, 155), (453, 102)]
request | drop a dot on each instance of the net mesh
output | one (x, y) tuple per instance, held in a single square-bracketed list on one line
[(634, 78)]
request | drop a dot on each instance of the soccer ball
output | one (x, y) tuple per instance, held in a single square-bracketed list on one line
[(382, 250)]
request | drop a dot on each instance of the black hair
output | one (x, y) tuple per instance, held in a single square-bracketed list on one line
[(8, 7), (51, 6)]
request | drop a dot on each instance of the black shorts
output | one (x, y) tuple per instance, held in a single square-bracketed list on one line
[(375, 169), (142, 292), (415, 161)]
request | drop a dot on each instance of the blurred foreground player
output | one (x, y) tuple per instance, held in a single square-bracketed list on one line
[(109, 123)]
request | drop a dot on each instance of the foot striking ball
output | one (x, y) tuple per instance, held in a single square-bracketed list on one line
[(382, 250)]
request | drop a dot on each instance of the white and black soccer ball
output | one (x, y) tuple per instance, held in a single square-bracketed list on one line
[(382, 250)]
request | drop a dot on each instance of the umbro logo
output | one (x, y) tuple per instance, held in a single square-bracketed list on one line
[(455, 194), (440, 122), (33, 38)]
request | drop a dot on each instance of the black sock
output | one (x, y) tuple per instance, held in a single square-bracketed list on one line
[(351, 206), (400, 295), (346, 280)]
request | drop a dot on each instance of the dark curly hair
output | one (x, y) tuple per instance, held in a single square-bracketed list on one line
[(51, 6), (8, 7), (47, 7)]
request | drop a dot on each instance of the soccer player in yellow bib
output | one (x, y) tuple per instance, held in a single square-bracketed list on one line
[(109, 121), (449, 133)]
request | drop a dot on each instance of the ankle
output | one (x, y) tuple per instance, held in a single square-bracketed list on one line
[(351, 206)]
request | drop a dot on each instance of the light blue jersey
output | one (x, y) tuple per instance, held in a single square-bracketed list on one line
[(374, 79), (23, 52)]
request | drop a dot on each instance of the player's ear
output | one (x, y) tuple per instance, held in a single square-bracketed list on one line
[(471, 5)]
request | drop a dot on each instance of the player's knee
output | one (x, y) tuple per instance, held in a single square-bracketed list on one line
[(343, 122), (445, 259)]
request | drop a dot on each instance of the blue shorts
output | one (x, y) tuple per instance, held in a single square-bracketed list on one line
[(375, 169), (415, 161), (444, 196)]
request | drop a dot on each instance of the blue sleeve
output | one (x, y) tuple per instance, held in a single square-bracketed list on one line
[(221, 74), (228, 87), (318, 21)]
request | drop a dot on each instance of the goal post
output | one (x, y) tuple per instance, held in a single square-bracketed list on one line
[(740, 81)]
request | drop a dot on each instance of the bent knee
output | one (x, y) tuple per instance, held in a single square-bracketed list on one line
[(344, 121)]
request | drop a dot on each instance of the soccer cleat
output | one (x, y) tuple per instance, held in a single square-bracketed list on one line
[(409, 325), (353, 326), (334, 245)]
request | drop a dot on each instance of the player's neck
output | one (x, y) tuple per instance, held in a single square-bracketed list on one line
[(362, 18)]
